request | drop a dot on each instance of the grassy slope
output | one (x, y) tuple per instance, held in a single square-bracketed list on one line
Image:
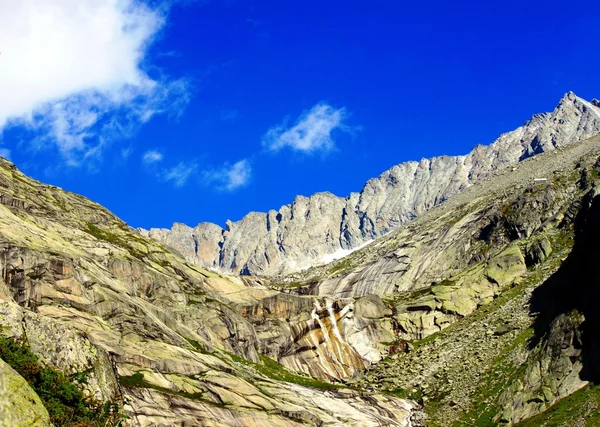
[(581, 408)]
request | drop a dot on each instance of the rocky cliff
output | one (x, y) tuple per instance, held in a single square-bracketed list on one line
[(165, 342), (480, 311), (315, 229), (492, 296)]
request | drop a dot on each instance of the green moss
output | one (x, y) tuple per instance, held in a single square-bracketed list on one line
[(410, 296), (271, 369), (291, 285), (132, 381), (60, 394), (101, 234), (137, 381), (112, 238), (197, 346), (341, 266), (581, 408), (163, 263)]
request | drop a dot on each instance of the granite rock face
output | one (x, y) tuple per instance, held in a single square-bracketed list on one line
[(480, 311), (495, 293), (316, 229), (19, 405), (169, 343)]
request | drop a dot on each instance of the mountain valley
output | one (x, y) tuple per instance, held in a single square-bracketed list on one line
[(467, 296)]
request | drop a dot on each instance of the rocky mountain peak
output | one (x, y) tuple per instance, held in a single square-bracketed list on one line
[(481, 311), (312, 229)]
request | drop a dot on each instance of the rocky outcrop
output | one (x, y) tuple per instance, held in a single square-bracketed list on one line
[(19, 405), (552, 372), (463, 233), (506, 327), (314, 229), (323, 337), (166, 341), (565, 342)]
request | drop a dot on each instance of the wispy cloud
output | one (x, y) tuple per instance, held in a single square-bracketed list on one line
[(152, 156), (126, 152), (180, 174), (169, 54), (229, 115), (73, 72), (310, 133), (230, 177)]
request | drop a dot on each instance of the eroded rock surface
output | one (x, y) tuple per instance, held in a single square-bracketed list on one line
[(499, 313), (19, 405), (166, 340)]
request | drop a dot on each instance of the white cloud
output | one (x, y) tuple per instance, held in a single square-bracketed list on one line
[(126, 152), (180, 173), (311, 132), (152, 156), (72, 70), (230, 177)]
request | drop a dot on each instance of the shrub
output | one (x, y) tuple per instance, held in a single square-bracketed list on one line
[(59, 393)]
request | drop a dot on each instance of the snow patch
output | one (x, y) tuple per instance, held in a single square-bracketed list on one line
[(341, 253)]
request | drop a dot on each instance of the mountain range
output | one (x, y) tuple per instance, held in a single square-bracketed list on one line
[(316, 229), (452, 291)]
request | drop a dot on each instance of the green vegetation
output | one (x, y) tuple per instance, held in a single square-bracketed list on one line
[(341, 266), (581, 408), (502, 373), (60, 394), (132, 381), (163, 263), (414, 394), (137, 381), (112, 238), (291, 285), (505, 369), (410, 296), (197, 346), (271, 369)]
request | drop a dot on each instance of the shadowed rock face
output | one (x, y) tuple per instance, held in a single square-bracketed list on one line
[(304, 232)]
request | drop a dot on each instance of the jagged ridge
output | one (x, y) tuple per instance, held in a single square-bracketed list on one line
[(311, 229)]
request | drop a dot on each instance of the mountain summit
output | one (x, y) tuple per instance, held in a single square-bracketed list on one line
[(316, 229)]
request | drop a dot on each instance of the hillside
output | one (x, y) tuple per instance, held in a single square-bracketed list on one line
[(312, 230), (491, 296), (480, 311), (162, 340)]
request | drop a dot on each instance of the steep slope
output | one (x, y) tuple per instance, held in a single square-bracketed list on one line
[(482, 309), (164, 340), (313, 229), (492, 297)]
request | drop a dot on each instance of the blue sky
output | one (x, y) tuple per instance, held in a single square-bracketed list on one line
[(195, 111)]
